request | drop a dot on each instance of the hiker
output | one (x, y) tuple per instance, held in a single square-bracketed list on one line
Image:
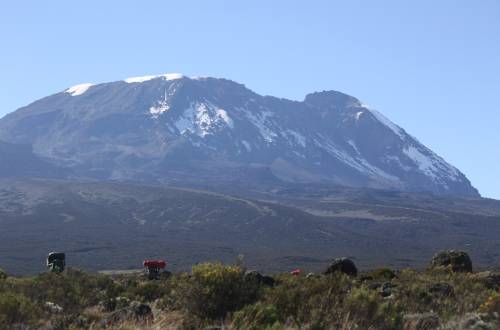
[(56, 261), (154, 267)]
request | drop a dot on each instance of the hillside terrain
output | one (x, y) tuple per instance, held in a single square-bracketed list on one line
[(20, 161), (116, 225)]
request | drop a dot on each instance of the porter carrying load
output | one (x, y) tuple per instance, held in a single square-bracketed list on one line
[(56, 261)]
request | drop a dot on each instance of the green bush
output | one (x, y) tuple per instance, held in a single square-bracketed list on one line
[(147, 292), (413, 294), (313, 301), (366, 308), (382, 274), (72, 290), (214, 290), (16, 308), (3, 275), (256, 317)]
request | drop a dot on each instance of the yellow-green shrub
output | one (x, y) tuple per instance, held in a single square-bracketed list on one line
[(367, 308), (382, 274), (214, 290), (16, 308), (256, 317)]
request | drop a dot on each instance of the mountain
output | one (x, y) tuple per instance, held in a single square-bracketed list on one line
[(20, 161), (171, 128), (103, 225)]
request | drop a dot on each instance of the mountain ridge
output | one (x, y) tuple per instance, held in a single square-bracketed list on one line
[(149, 128)]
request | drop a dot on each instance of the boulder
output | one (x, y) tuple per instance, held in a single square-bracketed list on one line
[(457, 261), (255, 276), (424, 321), (342, 265)]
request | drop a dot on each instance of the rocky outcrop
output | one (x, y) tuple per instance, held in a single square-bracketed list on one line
[(342, 265), (256, 277), (457, 261)]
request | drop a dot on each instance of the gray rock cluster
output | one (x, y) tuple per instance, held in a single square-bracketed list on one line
[(457, 261)]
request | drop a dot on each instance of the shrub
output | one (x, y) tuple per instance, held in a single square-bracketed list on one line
[(148, 291), (382, 274), (15, 308), (72, 290), (214, 290), (256, 317), (313, 301), (414, 293), (3, 275), (367, 308)]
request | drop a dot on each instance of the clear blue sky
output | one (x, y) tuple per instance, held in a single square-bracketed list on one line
[(433, 67)]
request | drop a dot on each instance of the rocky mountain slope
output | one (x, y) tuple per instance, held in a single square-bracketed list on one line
[(20, 161), (172, 128)]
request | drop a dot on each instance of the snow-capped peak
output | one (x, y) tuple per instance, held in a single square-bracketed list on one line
[(78, 89), (330, 136), (166, 76)]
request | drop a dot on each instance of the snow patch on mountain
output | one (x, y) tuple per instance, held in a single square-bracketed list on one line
[(203, 119), (299, 138), (166, 76), (395, 159), (261, 122), (163, 105), (78, 89), (433, 166), (377, 171), (160, 108), (246, 145), (222, 114), (385, 121), (353, 145), (360, 164)]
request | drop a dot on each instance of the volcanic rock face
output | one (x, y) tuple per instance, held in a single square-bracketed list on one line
[(170, 126)]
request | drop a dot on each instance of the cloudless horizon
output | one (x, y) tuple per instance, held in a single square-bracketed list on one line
[(432, 67)]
